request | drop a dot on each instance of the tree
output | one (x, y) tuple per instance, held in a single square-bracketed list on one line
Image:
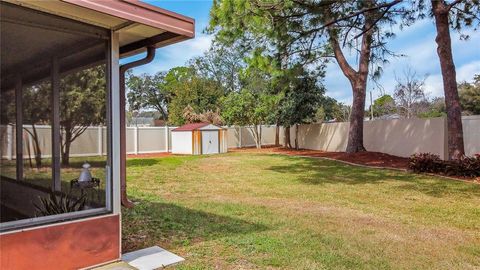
[(186, 88), (332, 110), (263, 31), (441, 13), (82, 104), (212, 117), (148, 92), (435, 108), (409, 93), (470, 96), (300, 102), (253, 106), (384, 105), (371, 50), (300, 31), (37, 110), (221, 64), (455, 14)]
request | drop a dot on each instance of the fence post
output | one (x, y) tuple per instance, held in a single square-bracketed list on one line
[(167, 141), (135, 140), (240, 137), (100, 140), (9, 142), (445, 139)]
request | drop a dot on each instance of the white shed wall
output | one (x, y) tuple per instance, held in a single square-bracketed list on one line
[(182, 142)]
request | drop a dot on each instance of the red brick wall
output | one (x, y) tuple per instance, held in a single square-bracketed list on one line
[(65, 246)]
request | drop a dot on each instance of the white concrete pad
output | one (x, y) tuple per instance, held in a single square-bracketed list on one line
[(151, 258)]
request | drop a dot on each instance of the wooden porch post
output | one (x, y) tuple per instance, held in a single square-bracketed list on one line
[(19, 127), (56, 184)]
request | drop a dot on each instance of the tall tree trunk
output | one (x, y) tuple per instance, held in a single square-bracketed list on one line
[(452, 101), (355, 133), (287, 142), (257, 136), (66, 148), (260, 136), (277, 135), (36, 148), (358, 81)]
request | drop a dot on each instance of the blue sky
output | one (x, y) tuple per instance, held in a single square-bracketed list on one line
[(416, 42)]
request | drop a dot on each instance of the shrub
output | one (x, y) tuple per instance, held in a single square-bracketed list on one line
[(60, 204), (465, 166), (431, 163), (426, 162)]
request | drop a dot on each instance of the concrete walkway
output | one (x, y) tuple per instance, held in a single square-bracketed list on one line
[(145, 259)]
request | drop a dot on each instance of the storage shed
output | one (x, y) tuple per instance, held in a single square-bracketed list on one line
[(199, 139)]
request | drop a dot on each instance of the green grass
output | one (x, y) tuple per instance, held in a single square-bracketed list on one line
[(260, 211), (43, 176)]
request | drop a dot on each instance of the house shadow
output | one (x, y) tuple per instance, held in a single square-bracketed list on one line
[(319, 172), (93, 163), (169, 225)]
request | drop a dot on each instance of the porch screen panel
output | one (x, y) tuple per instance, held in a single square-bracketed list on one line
[(7, 134), (53, 103), (83, 113)]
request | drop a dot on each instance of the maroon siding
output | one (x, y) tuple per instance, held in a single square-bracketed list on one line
[(64, 246)]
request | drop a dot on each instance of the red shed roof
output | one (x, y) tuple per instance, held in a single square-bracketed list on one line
[(190, 127)]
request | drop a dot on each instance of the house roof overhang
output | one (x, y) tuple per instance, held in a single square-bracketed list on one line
[(138, 24)]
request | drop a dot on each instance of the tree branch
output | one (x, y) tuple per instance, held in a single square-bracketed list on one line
[(451, 5), (339, 56)]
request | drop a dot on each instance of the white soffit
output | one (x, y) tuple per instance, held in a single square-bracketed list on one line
[(129, 31), (71, 11)]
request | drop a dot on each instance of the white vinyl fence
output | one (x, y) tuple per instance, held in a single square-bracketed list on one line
[(140, 140), (400, 137)]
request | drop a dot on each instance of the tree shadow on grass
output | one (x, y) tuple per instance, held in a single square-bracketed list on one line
[(93, 163), (318, 172), (137, 162), (166, 224)]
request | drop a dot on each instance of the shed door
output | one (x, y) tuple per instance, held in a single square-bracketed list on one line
[(210, 142)]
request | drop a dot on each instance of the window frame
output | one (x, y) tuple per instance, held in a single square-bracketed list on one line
[(55, 80)]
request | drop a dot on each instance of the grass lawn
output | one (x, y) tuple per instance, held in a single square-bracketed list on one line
[(248, 211)]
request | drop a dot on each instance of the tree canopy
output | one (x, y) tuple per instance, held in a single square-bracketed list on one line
[(82, 104)]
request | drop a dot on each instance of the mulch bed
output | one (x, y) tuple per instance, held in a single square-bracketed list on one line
[(371, 159)]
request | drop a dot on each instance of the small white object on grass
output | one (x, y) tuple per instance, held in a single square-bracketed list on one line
[(151, 258)]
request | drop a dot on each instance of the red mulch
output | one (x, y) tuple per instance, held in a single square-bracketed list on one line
[(363, 158), (374, 159)]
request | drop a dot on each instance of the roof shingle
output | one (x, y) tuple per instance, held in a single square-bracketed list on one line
[(190, 127)]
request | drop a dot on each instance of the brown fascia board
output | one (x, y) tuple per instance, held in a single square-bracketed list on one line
[(139, 12), (158, 41)]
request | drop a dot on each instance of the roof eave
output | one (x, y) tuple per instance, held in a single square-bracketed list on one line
[(143, 13)]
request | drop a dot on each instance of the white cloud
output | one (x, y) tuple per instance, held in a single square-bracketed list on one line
[(467, 71), (177, 54), (434, 83)]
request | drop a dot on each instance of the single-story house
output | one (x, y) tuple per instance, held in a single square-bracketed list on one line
[(199, 139), (60, 66)]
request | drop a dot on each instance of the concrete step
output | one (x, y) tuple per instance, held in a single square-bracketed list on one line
[(151, 258)]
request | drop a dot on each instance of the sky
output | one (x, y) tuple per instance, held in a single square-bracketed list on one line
[(416, 43)]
